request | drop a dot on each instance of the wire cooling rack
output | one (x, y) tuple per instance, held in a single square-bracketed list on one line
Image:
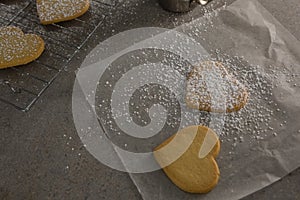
[(22, 86)]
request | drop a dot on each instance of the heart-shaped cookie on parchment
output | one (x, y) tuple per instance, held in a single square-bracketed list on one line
[(211, 88), (53, 11), (188, 159), (17, 48)]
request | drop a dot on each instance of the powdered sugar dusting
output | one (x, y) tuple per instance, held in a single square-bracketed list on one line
[(262, 117), (59, 9), (209, 84), (15, 47), (234, 78)]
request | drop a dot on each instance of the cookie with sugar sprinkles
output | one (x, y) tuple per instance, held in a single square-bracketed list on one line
[(17, 48), (211, 88), (53, 11)]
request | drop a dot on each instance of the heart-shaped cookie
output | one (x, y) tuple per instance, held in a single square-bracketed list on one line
[(211, 88), (17, 48), (53, 11), (190, 171)]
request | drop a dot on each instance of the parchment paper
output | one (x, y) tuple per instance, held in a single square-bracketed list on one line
[(247, 30), (260, 143)]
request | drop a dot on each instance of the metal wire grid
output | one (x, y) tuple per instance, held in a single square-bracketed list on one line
[(22, 86)]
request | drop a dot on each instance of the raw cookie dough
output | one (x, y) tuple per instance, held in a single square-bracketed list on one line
[(17, 48), (53, 11), (211, 88), (190, 172)]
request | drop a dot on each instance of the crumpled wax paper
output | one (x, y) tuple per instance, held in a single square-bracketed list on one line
[(259, 144), (247, 37)]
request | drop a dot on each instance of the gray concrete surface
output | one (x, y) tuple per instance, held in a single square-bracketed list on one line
[(41, 156)]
